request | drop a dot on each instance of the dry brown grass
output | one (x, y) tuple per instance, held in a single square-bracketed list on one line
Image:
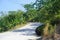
[(17, 26), (57, 36), (54, 34), (46, 30), (48, 34)]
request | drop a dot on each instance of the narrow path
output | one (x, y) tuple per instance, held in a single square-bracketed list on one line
[(25, 33)]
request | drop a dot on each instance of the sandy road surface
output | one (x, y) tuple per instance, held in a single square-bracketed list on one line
[(24, 33)]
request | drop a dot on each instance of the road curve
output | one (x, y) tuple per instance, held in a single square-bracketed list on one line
[(24, 33)]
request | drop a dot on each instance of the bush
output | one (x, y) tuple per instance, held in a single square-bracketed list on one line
[(39, 30), (56, 21), (11, 20)]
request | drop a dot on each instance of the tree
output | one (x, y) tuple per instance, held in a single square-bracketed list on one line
[(49, 12), (28, 7), (31, 13), (38, 4)]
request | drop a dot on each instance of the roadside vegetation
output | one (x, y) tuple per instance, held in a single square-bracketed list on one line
[(49, 11), (14, 18), (44, 11)]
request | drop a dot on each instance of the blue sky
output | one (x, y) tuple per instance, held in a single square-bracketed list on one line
[(10, 5)]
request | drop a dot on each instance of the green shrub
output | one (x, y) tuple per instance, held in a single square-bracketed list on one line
[(11, 20), (39, 30)]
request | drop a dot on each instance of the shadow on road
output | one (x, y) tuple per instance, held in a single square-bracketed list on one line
[(26, 32), (35, 24)]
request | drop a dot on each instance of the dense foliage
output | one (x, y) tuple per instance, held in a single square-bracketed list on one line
[(49, 11), (39, 30), (12, 19), (16, 17)]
